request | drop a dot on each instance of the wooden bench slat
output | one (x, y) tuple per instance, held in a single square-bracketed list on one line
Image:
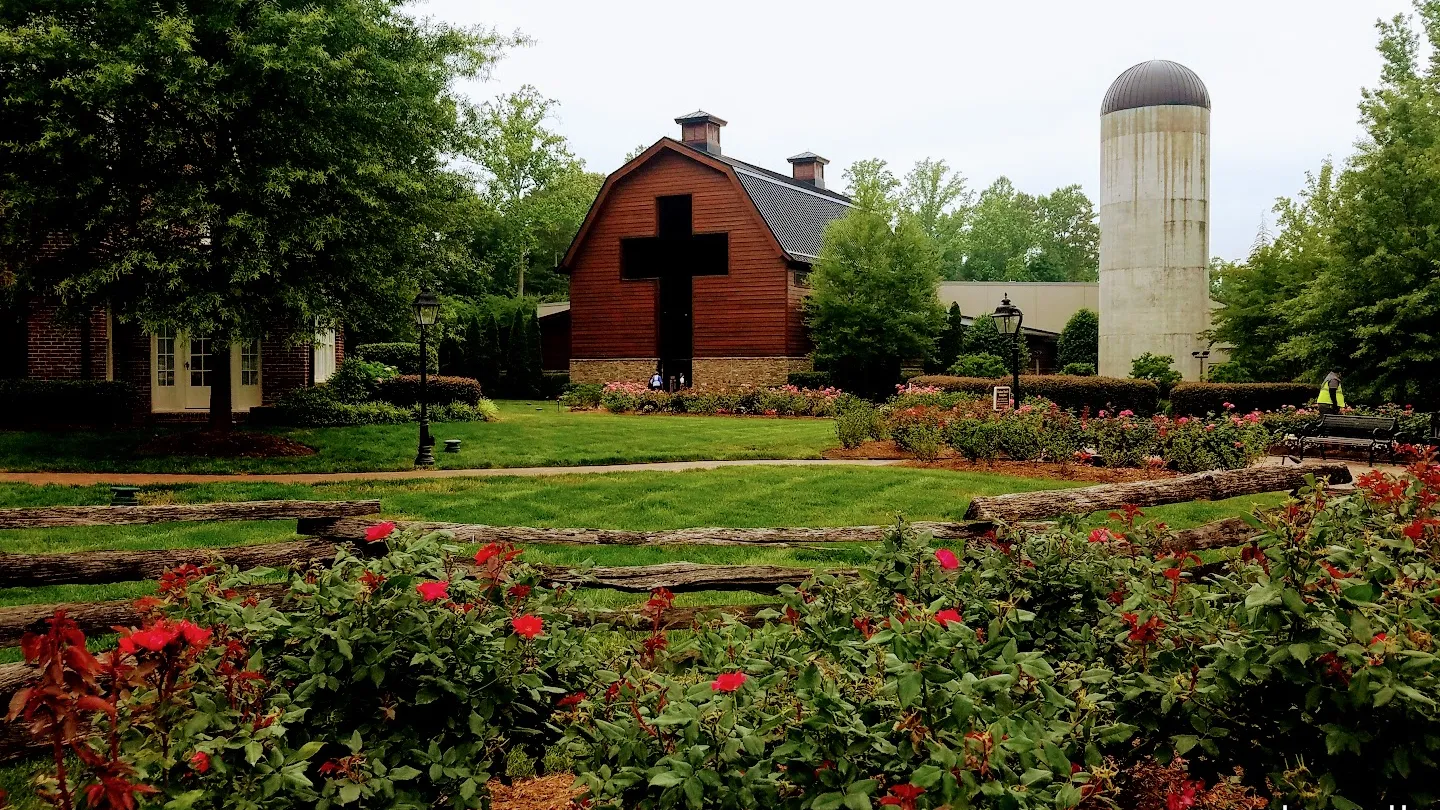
[(58, 516)]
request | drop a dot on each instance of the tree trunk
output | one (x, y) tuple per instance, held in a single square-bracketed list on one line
[(43, 517), (1207, 486), (222, 394), (98, 567)]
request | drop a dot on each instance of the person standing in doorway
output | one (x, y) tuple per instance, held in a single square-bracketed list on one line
[(1331, 398), (656, 381)]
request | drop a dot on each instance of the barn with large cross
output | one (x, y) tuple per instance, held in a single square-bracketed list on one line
[(695, 264)]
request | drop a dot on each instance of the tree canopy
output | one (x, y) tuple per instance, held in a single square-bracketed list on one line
[(1002, 234), (234, 169), (873, 302), (1350, 282), (1079, 340)]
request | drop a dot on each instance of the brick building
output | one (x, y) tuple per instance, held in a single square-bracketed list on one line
[(695, 263), (173, 370)]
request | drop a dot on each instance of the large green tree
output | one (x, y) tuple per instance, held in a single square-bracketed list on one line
[(537, 188), (235, 168), (1258, 297), (1350, 283), (874, 300)]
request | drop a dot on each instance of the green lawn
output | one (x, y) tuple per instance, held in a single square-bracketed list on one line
[(734, 496), (529, 434)]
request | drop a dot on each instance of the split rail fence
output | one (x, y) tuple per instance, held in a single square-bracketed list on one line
[(324, 525)]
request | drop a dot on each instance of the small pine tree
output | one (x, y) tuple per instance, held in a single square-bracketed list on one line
[(1080, 340), (482, 344), (515, 382), (533, 370), (948, 345)]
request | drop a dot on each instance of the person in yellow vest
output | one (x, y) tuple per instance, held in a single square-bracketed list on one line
[(1331, 397)]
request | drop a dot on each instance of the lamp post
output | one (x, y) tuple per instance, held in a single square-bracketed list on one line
[(1202, 356), (1008, 318), (427, 310)]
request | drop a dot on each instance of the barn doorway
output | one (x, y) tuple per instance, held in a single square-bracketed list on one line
[(672, 258)]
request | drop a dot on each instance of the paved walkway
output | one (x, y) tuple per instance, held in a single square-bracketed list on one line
[(145, 479)]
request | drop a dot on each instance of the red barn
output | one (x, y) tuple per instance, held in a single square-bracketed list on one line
[(695, 263)]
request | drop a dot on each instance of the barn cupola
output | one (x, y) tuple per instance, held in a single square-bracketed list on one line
[(808, 167), (701, 130)]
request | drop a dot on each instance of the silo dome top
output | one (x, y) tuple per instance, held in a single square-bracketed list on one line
[(1156, 83)]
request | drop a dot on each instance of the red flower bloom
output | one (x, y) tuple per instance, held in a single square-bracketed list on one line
[(947, 559), (431, 591), (372, 581), (1379, 638), (329, 768), (612, 691), (571, 700), (200, 761), (729, 681), (903, 797), (195, 635), (1185, 797), (1101, 535), (1172, 574), (528, 626), (487, 552), (948, 615), (379, 531), (519, 591), (1146, 632)]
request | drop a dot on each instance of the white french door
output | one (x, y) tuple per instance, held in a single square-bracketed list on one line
[(183, 370)]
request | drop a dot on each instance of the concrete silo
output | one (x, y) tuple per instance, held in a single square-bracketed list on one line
[(1154, 217)]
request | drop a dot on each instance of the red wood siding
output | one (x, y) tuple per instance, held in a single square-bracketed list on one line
[(744, 314)]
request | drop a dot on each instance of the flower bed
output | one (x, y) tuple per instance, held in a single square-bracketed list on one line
[(1069, 668), (924, 420), (785, 400)]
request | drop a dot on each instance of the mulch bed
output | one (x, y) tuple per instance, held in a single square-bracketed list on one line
[(234, 444), (950, 460), (553, 792)]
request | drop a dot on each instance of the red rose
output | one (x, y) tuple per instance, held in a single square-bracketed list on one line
[(200, 761), (528, 626), (1172, 574), (379, 531), (948, 615), (1101, 535), (430, 591), (195, 635), (729, 681), (485, 553), (947, 559), (571, 700), (903, 796), (519, 591)]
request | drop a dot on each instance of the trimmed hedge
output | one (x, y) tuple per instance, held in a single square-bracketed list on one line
[(403, 356), (30, 402), (440, 390), (1198, 399), (1074, 393), (809, 379)]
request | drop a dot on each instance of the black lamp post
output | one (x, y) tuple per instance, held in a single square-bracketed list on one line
[(427, 310), (1007, 320), (1202, 356)]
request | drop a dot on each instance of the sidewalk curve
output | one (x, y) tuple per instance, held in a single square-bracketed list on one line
[(147, 479)]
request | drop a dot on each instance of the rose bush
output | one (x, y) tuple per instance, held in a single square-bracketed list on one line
[(785, 400)]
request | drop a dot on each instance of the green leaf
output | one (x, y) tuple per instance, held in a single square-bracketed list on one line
[(185, 800), (1037, 668), (828, 801), (926, 776), (1342, 803), (1300, 651), (1184, 742), (809, 679), (1293, 602), (666, 779), (694, 793), (349, 792), (1360, 626), (403, 773), (1363, 593), (908, 688), (253, 750)]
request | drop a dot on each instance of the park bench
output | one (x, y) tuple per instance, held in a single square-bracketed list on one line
[(1373, 434)]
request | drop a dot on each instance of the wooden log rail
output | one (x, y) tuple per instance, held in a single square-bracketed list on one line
[(1207, 486), (351, 530), (58, 516)]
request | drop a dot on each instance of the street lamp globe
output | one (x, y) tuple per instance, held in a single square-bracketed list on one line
[(1008, 317), (427, 309)]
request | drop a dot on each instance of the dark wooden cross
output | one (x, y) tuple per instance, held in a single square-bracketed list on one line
[(673, 257)]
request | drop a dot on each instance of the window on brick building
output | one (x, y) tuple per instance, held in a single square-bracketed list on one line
[(165, 357), (250, 364)]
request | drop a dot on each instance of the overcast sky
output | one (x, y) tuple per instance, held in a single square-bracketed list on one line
[(994, 88)]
